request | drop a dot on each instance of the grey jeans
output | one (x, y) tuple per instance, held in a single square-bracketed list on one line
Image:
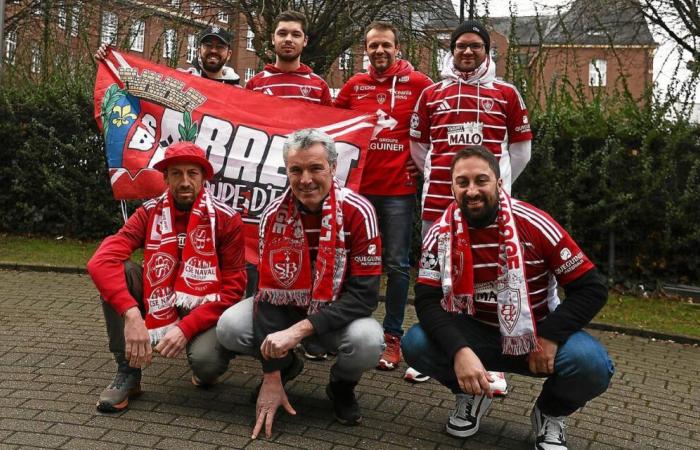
[(206, 357), (358, 346)]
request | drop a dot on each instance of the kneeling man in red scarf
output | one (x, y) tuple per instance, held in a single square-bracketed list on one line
[(194, 269), (320, 264)]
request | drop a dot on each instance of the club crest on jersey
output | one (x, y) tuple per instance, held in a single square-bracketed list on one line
[(201, 241), (286, 265), (487, 104), (305, 90), (160, 267), (381, 98), (467, 133)]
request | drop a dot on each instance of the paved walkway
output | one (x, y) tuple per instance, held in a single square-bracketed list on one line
[(54, 363)]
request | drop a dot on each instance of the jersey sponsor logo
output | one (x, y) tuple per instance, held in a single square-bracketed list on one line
[(201, 241), (523, 128), (468, 133), (429, 274), (444, 106), (565, 254), (268, 91), (160, 304), (364, 87), (368, 260), (160, 267), (403, 79), (286, 265), (305, 90), (570, 265), (487, 104), (428, 260), (381, 98), (391, 145), (485, 292), (198, 272)]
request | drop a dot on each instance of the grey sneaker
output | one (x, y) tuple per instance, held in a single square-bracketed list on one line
[(469, 409), (549, 430), (126, 384)]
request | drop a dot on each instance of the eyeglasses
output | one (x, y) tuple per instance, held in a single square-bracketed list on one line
[(218, 47), (474, 46)]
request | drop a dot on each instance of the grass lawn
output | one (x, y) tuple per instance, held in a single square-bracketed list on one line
[(663, 315)]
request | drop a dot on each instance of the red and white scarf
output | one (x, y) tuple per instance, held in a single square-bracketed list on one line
[(285, 264), (515, 317), (169, 281)]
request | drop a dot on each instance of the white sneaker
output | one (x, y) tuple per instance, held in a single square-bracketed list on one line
[(549, 430), (499, 387), (469, 409), (413, 376)]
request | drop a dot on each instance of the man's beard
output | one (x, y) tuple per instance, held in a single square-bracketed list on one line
[(288, 58), (483, 218), (212, 67), (182, 206)]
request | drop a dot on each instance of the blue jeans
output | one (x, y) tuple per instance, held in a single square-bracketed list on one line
[(395, 214), (582, 367)]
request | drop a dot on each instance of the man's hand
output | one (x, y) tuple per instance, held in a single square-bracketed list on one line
[(101, 53), (542, 362), (172, 344), (138, 343), (277, 345), (473, 378), (270, 398), (411, 168)]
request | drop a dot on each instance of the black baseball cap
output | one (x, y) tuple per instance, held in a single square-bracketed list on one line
[(217, 31)]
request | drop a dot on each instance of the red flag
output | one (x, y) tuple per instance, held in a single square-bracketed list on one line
[(142, 108)]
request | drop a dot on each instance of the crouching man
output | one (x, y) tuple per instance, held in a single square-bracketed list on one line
[(320, 264), (194, 268), (484, 302)]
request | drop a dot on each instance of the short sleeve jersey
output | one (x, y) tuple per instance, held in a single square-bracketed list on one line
[(551, 257)]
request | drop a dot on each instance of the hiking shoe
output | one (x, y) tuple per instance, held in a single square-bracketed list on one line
[(287, 375), (413, 376), (345, 406), (392, 354), (499, 385), (549, 430), (469, 409), (126, 384), (314, 352)]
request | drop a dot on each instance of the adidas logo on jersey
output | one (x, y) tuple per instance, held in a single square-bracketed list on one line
[(444, 106)]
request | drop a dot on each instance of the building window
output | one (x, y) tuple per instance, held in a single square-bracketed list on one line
[(443, 58), (75, 18), (36, 60), (10, 46), (249, 73), (169, 42), (222, 17), (345, 60), (249, 36), (175, 4), (597, 72), (365, 62), (138, 35), (191, 48), (62, 17), (196, 8), (109, 28)]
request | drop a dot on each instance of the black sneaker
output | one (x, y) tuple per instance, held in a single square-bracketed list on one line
[(345, 406), (549, 430), (314, 352), (288, 374), (126, 384)]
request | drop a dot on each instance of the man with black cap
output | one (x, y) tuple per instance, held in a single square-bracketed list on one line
[(193, 270), (213, 54), (468, 107)]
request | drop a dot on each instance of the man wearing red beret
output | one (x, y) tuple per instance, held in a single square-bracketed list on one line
[(193, 270)]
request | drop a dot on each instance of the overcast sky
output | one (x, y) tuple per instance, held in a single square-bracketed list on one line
[(665, 59)]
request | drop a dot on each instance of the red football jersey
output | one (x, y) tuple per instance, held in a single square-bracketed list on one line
[(302, 84), (392, 96), (551, 257), (451, 114)]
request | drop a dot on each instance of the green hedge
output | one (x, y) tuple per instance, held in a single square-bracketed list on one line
[(600, 168)]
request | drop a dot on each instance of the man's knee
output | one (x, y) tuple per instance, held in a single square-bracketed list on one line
[(413, 344), (235, 327), (206, 357), (583, 357), (363, 341)]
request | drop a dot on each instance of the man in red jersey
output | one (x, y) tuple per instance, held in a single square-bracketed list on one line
[(469, 106), (390, 89), (193, 271), (320, 265), (485, 301), (288, 77)]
